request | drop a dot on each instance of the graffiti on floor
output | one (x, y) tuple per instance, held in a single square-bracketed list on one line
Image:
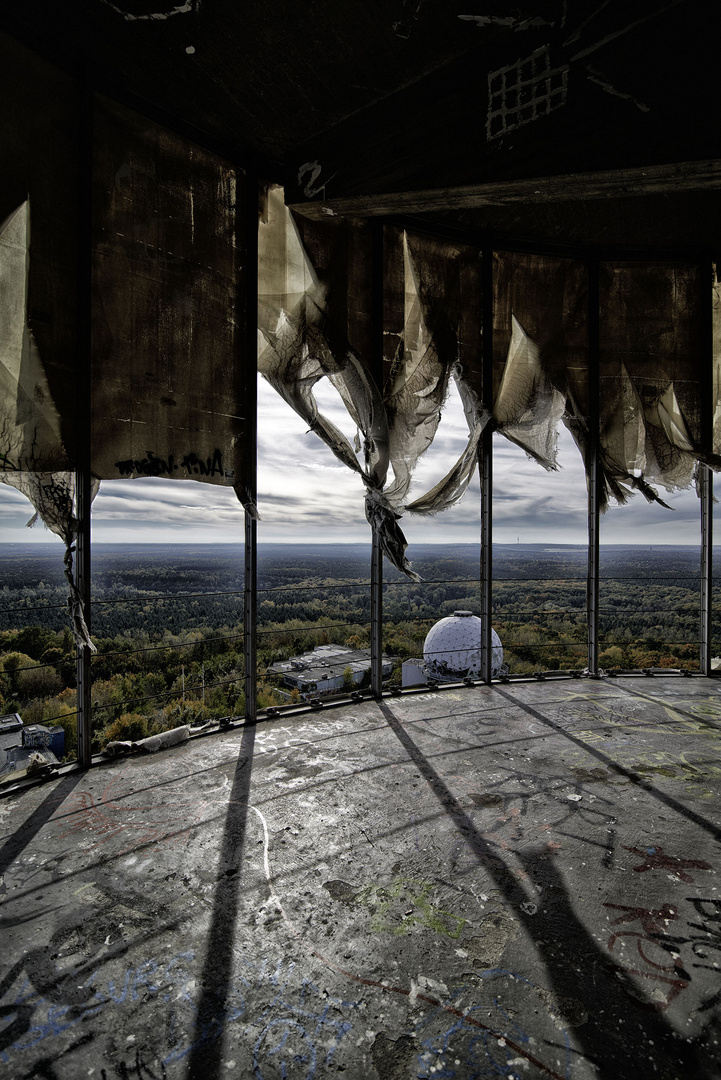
[(136, 1066), (655, 858), (285, 1017), (508, 815), (688, 717), (117, 815), (285, 1023), (502, 1047), (665, 949), (693, 768)]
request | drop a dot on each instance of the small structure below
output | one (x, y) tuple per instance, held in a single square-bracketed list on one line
[(327, 669), (28, 749)]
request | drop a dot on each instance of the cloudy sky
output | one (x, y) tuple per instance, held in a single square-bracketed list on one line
[(305, 495)]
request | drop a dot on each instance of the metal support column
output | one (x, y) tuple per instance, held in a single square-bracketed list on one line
[(376, 635), (83, 480), (706, 479), (706, 483), (250, 402), (486, 470), (376, 616), (593, 473)]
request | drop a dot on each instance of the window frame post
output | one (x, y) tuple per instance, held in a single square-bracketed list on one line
[(83, 477), (706, 476), (249, 303), (486, 468), (376, 586), (593, 471)]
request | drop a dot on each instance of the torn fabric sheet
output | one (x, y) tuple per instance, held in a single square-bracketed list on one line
[(314, 299), (448, 491), (625, 438), (305, 327), (651, 331), (416, 386), (30, 435), (53, 498), (32, 456), (651, 326), (528, 408), (540, 352), (383, 520), (301, 342), (167, 371), (670, 457), (434, 326)]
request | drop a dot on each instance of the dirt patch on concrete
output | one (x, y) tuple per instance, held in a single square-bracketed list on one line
[(393, 1060)]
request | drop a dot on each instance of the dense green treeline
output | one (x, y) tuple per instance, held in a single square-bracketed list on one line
[(167, 655)]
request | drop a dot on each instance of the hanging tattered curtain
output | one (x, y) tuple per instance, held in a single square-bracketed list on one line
[(167, 370), (652, 340), (314, 318), (314, 308), (432, 333), (167, 367), (652, 363), (38, 272), (540, 352)]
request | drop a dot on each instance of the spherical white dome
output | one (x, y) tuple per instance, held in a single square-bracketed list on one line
[(452, 648)]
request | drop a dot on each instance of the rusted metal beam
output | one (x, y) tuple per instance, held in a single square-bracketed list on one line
[(83, 479), (706, 484), (593, 473), (376, 635), (248, 216), (485, 465), (619, 183)]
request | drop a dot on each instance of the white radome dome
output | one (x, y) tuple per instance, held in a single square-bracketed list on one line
[(452, 648)]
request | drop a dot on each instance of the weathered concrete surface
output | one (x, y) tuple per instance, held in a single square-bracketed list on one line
[(519, 881)]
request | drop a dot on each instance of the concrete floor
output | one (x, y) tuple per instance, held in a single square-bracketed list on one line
[(516, 882)]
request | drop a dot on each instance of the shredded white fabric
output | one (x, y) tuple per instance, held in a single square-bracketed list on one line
[(315, 285), (32, 456)]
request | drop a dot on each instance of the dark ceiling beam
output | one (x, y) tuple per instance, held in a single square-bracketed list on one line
[(685, 176)]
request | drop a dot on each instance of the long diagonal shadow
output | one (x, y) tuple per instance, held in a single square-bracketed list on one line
[(207, 1043), (22, 836), (610, 763), (701, 720), (577, 968)]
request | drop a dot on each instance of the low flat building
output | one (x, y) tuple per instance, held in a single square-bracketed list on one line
[(325, 669)]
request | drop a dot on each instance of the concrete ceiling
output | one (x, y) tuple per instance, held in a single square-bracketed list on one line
[(588, 124)]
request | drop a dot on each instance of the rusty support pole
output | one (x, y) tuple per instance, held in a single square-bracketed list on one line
[(486, 470), (249, 220), (593, 472), (376, 635), (83, 478), (706, 476)]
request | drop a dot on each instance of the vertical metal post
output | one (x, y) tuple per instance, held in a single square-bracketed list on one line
[(83, 480), (706, 476), (82, 652), (250, 595), (250, 619), (376, 616), (593, 472), (377, 373), (486, 470), (706, 481)]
